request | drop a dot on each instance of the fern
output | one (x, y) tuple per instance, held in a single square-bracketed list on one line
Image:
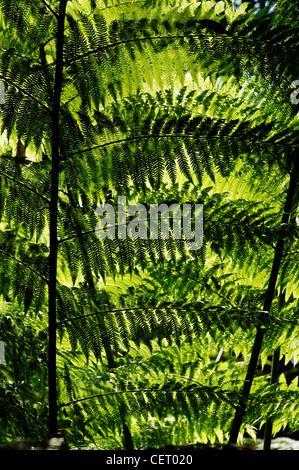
[(158, 102)]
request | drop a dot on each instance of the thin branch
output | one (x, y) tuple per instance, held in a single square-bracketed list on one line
[(48, 40), (174, 36), (126, 41), (20, 183), (118, 310), (241, 409), (71, 237), (26, 265), (210, 288), (156, 136), (19, 88), (141, 390), (50, 8), (131, 309), (289, 253), (25, 410), (125, 139), (26, 345), (109, 394), (88, 232), (274, 377), (120, 4), (71, 99)]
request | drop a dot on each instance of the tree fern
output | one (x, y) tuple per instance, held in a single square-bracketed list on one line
[(150, 100)]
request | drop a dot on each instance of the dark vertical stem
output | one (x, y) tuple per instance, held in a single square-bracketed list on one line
[(240, 410), (129, 445), (53, 224), (273, 379)]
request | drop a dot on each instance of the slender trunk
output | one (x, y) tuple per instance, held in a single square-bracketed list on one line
[(274, 379), (240, 411), (129, 445), (53, 223)]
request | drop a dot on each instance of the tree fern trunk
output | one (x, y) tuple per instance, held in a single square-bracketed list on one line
[(274, 379), (53, 223), (129, 445), (241, 409)]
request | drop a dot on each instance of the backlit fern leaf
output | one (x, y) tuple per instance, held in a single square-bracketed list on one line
[(160, 101)]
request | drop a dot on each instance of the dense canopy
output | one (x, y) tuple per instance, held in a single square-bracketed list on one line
[(139, 341)]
